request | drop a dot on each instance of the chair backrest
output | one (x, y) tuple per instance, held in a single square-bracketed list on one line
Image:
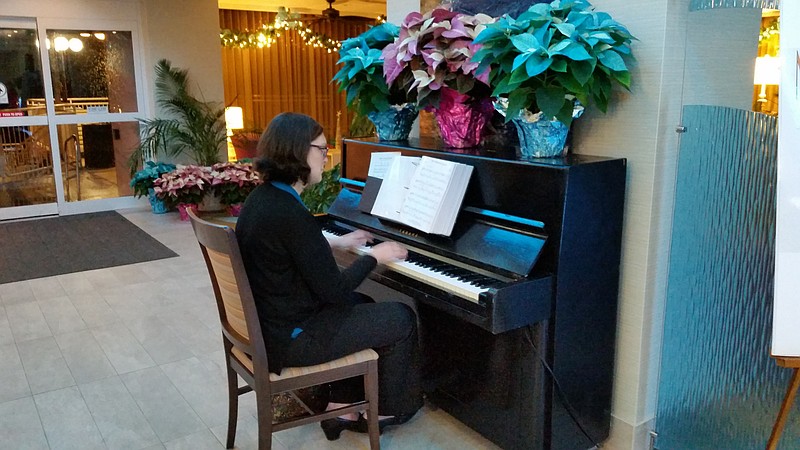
[(235, 303)]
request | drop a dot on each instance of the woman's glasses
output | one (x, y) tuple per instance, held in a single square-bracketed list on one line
[(322, 148)]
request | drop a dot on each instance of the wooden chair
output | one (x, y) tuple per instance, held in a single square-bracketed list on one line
[(246, 356)]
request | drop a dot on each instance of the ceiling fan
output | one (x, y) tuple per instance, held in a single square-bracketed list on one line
[(330, 13)]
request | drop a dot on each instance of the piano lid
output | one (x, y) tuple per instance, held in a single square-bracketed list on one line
[(496, 242)]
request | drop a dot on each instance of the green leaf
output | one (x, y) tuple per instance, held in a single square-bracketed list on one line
[(573, 51), (356, 67), (526, 42), (521, 59), (488, 34), (570, 83), (518, 76), (565, 113), (537, 64), (623, 78), (612, 60), (558, 65), (582, 70), (503, 87), (519, 99), (380, 102), (550, 100), (352, 93), (567, 29)]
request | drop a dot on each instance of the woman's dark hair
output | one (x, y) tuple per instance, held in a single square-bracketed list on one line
[(284, 146)]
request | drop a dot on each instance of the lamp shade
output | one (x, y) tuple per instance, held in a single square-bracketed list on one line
[(234, 118), (767, 71)]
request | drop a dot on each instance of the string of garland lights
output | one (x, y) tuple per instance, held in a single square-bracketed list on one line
[(774, 29), (268, 34)]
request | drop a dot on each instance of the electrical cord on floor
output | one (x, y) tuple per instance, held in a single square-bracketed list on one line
[(559, 391)]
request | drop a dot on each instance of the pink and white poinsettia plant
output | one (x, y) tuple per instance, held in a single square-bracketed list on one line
[(185, 184), (438, 47), (233, 181)]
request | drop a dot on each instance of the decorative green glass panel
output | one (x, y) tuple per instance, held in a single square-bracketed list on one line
[(719, 388)]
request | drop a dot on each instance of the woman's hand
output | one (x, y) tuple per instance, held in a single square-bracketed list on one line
[(389, 251), (355, 239)]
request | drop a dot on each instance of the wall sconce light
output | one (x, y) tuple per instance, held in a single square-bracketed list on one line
[(767, 71)]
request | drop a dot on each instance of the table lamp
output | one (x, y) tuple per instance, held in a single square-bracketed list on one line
[(767, 71), (234, 120)]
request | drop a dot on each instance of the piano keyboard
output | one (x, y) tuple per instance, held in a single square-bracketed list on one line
[(448, 277)]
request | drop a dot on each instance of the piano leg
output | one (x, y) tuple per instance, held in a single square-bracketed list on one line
[(492, 383)]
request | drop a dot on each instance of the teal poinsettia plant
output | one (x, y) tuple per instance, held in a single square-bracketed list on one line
[(143, 180), (553, 55), (438, 47), (361, 74)]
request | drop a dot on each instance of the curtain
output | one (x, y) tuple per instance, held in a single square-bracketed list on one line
[(289, 75)]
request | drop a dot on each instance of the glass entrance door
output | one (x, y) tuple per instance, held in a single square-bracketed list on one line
[(28, 171), (68, 116)]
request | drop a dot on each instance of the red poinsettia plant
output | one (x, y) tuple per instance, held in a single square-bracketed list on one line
[(438, 48)]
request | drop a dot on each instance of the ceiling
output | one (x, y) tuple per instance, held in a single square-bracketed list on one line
[(363, 8)]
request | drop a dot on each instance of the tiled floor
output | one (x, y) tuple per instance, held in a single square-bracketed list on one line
[(130, 358)]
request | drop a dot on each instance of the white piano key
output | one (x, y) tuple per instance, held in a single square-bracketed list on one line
[(428, 276)]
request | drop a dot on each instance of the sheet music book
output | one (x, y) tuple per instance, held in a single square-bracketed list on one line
[(422, 192), (379, 163)]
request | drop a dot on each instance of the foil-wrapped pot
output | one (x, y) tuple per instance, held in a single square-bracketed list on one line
[(539, 137), (395, 123), (462, 120)]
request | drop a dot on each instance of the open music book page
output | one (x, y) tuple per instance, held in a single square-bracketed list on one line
[(424, 193), (394, 187), (379, 164)]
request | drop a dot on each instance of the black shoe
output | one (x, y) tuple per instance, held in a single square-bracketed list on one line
[(394, 421), (333, 427)]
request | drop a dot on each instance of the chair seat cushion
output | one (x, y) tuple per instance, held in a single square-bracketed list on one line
[(291, 372)]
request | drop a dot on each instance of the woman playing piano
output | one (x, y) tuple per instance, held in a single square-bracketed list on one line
[(308, 308)]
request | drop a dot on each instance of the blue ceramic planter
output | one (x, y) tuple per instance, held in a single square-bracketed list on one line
[(157, 205), (541, 139), (395, 123)]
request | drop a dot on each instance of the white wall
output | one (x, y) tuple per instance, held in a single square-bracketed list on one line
[(640, 126), (787, 252), (186, 32), (719, 65)]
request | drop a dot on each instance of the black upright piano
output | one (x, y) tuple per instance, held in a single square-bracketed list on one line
[(517, 307)]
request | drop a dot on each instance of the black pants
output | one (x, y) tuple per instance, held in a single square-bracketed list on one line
[(390, 328)]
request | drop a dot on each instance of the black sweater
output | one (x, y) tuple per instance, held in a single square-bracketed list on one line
[(294, 277)]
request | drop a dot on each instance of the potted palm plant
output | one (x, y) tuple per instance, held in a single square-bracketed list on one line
[(189, 126), (390, 106), (548, 62)]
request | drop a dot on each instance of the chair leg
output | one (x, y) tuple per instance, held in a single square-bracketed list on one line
[(233, 406), (264, 409), (371, 391)]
